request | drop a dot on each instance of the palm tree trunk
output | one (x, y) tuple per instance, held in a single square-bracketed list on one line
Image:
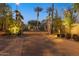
[(52, 19), (37, 21), (4, 24)]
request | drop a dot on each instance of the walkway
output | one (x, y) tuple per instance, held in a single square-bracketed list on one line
[(38, 45)]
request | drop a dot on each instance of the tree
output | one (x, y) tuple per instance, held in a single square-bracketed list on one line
[(33, 23), (49, 11), (56, 19), (19, 18), (38, 10), (49, 23), (52, 30), (49, 18), (43, 26), (1, 23), (68, 20), (76, 10), (56, 14), (58, 25), (4, 9), (76, 7)]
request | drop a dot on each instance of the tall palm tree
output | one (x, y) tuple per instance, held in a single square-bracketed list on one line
[(19, 18), (18, 15), (68, 20), (38, 10), (76, 7), (56, 14), (52, 30), (49, 11), (76, 10)]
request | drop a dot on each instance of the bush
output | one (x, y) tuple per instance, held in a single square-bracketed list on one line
[(62, 35), (75, 37), (68, 36), (58, 35)]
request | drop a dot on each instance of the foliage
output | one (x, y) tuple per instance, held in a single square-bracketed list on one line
[(5, 15), (49, 11), (14, 29), (76, 7), (68, 20), (33, 23), (58, 25), (43, 25), (38, 9), (18, 13)]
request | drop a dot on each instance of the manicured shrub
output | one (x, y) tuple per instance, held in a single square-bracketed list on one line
[(68, 36), (75, 37), (62, 35), (58, 35)]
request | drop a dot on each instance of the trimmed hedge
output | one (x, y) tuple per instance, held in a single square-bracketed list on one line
[(75, 37), (68, 36), (61, 35)]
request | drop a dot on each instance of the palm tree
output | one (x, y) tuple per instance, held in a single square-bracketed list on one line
[(56, 14), (76, 10), (49, 11), (68, 20), (19, 18), (38, 10), (52, 26), (76, 7)]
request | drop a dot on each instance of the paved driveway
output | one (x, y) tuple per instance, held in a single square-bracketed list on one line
[(38, 45)]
